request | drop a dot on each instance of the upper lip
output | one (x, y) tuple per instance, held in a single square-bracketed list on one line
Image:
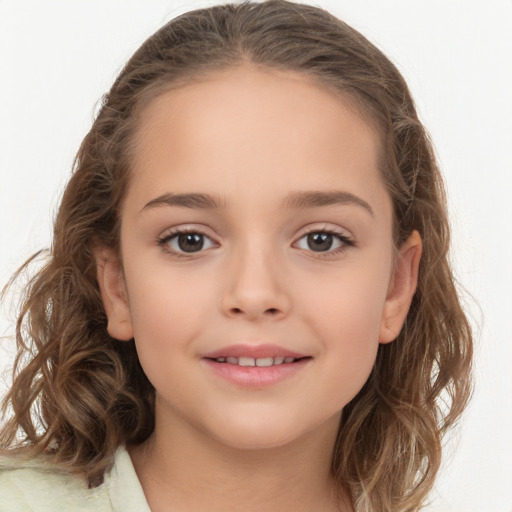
[(254, 351)]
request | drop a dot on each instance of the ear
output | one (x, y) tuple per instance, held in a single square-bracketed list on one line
[(401, 288), (113, 293)]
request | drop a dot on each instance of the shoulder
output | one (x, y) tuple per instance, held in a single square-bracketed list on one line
[(36, 487)]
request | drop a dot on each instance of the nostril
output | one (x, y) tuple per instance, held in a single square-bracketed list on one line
[(272, 311)]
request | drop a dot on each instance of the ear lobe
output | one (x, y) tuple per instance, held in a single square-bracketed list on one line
[(401, 289), (113, 293)]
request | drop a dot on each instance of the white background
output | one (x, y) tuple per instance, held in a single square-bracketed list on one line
[(58, 57)]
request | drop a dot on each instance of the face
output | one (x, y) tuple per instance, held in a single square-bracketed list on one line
[(258, 269)]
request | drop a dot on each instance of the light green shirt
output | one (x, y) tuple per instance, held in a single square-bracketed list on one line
[(36, 488)]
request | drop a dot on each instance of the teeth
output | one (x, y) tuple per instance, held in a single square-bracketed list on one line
[(251, 361), (246, 361), (265, 361)]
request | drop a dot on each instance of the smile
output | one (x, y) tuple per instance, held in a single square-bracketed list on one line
[(255, 366), (260, 361)]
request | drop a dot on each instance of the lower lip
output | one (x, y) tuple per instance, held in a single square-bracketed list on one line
[(256, 376)]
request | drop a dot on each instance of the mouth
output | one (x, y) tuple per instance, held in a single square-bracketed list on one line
[(256, 366), (260, 362)]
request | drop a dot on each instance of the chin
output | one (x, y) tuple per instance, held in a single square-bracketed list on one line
[(257, 440), (270, 434)]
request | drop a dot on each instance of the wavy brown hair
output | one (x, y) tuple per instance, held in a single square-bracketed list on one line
[(79, 394)]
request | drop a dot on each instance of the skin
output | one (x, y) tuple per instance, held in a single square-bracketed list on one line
[(251, 137)]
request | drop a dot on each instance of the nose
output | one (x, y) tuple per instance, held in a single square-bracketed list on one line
[(255, 288)]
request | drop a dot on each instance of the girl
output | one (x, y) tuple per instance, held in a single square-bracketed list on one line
[(248, 302)]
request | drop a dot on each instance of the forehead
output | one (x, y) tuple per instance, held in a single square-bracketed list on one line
[(253, 88), (248, 127)]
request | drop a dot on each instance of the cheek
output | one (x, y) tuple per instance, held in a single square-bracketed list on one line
[(349, 303), (168, 312), (347, 330), (344, 316), (168, 308)]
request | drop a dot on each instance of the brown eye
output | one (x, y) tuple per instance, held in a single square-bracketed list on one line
[(190, 242), (186, 242), (320, 241), (323, 241)]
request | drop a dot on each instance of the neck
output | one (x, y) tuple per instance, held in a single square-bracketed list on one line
[(191, 471)]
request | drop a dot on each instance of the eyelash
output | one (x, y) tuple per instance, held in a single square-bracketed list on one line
[(346, 241), (163, 241)]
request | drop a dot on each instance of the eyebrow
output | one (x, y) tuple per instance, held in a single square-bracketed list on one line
[(309, 199), (195, 200), (315, 199)]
